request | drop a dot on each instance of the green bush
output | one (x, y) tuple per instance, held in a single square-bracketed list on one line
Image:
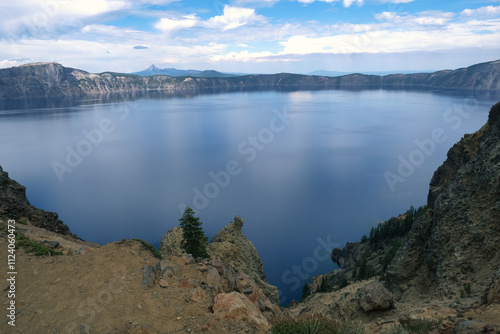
[(315, 325), (33, 247), (151, 248), (418, 326)]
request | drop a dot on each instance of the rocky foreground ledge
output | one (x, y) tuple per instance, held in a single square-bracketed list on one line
[(122, 287)]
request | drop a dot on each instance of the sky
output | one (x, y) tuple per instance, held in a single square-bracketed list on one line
[(251, 36)]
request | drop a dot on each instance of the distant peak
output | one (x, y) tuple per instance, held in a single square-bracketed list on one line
[(153, 68)]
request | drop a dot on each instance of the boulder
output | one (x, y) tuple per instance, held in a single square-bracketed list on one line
[(150, 275), (235, 306), (374, 296)]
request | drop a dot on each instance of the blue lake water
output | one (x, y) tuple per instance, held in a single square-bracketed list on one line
[(306, 170)]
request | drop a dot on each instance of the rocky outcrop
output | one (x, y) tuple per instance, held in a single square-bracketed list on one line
[(347, 256), (456, 242), (15, 205), (362, 300), (233, 258), (49, 80), (230, 246), (171, 243)]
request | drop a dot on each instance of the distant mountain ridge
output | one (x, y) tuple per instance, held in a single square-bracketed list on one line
[(173, 72), (49, 80)]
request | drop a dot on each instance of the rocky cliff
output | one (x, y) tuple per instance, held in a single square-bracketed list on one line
[(232, 249), (456, 244), (231, 246), (49, 80), (15, 205)]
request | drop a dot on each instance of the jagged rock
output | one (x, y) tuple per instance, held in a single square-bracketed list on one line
[(235, 306), (347, 256), (150, 275), (456, 243), (15, 205), (374, 296), (229, 245), (171, 243), (492, 293), (247, 287), (213, 278)]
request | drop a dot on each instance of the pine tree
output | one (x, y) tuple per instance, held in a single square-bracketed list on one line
[(194, 237)]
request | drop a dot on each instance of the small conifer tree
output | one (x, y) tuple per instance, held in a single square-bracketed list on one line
[(194, 237)]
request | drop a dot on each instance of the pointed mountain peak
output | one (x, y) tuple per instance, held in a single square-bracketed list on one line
[(153, 68)]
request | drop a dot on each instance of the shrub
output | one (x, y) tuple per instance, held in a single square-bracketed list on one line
[(316, 324), (33, 247), (418, 326), (151, 248)]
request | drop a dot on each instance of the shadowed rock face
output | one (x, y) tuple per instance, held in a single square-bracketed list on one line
[(15, 205), (50, 80), (456, 243)]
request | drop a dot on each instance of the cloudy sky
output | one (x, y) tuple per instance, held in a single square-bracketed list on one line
[(252, 36)]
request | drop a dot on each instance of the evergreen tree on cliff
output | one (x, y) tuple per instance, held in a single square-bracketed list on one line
[(194, 237)]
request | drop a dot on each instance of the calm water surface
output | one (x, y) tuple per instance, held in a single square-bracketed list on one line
[(305, 170)]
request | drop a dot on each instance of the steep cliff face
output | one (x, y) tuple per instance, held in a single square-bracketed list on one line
[(456, 243), (49, 80), (15, 205)]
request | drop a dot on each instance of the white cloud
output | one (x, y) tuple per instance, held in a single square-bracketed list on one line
[(234, 17), (248, 57), (406, 21), (397, 1), (35, 18), (395, 40), (346, 3), (387, 17), (173, 25), (158, 2), (482, 11), (12, 62), (262, 3)]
